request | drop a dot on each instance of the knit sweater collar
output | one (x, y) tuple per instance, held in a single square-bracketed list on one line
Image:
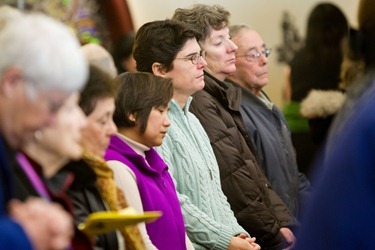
[(174, 106)]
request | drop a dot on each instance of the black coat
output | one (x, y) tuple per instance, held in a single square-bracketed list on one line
[(86, 198)]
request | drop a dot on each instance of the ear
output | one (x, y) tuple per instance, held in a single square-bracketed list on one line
[(132, 117), (11, 78), (158, 69)]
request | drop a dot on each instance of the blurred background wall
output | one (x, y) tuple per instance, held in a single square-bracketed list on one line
[(104, 21), (265, 16)]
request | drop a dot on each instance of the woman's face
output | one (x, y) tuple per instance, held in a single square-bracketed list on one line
[(100, 127), (157, 125), (220, 53), (187, 77), (63, 137)]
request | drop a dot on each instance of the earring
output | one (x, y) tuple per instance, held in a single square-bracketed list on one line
[(38, 135), (132, 117)]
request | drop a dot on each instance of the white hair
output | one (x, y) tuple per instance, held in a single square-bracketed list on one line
[(8, 13), (45, 51), (100, 57)]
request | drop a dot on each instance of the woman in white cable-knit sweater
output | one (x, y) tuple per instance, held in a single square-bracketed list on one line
[(170, 49)]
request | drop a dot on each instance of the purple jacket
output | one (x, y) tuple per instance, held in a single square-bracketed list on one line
[(157, 192)]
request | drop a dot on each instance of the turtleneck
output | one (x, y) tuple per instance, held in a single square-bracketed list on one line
[(136, 146)]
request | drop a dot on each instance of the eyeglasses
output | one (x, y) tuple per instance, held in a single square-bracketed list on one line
[(194, 58), (254, 55)]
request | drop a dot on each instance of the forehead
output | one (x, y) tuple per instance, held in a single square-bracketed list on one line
[(248, 39), (103, 105), (191, 46), (214, 34), (54, 99)]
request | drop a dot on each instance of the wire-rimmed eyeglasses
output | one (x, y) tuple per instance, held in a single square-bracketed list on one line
[(194, 58), (254, 55)]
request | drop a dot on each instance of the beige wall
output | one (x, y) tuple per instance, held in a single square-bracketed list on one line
[(263, 15)]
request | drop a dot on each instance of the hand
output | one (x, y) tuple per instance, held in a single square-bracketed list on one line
[(47, 225), (250, 240), (238, 243), (288, 236)]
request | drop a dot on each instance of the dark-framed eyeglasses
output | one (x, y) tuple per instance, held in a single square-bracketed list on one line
[(254, 55), (194, 58)]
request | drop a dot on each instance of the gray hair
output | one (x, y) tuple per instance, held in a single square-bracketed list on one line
[(8, 13), (45, 51), (237, 28), (100, 57)]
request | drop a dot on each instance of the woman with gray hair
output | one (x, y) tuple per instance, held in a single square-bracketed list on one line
[(257, 207), (40, 66)]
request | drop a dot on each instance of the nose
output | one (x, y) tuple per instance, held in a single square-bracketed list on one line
[(83, 118), (167, 121), (232, 46), (202, 63), (263, 59), (112, 128)]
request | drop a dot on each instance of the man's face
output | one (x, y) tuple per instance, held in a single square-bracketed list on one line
[(25, 110), (251, 61)]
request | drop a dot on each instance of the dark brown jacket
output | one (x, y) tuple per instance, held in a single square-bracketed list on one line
[(256, 206)]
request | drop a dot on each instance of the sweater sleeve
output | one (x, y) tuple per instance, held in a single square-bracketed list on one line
[(202, 230), (127, 183)]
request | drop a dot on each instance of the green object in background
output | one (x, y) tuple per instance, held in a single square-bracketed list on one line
[(294, 119), (65, 2)]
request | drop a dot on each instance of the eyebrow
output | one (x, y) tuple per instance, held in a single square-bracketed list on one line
[(262, 46), (191, 54)]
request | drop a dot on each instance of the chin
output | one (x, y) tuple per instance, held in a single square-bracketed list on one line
[(230, 71), (157, 143), (100, 153), (77, 153)]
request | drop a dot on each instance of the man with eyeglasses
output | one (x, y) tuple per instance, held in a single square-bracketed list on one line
[(264, 121)]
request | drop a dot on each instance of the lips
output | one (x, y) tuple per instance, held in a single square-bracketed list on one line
[(261, 73)]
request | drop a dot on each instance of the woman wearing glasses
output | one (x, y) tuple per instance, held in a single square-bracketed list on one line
[(264, 121), (170, 49), (257, 207)]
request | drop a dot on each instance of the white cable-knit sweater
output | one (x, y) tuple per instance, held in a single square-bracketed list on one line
[(209, 220)]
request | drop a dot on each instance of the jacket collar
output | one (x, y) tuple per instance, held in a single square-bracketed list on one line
[(226, 92), (154, 161), (248, 95)]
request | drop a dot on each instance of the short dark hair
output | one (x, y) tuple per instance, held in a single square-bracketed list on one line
[(123, 49), (327, 27), (204, 18), (160, 41), (100, 85), (138, 93)]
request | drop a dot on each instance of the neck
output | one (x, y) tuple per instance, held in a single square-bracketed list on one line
[(255, 91), (131, 133), (248, 86), (219, 76), (48, 160), (181, 99)]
